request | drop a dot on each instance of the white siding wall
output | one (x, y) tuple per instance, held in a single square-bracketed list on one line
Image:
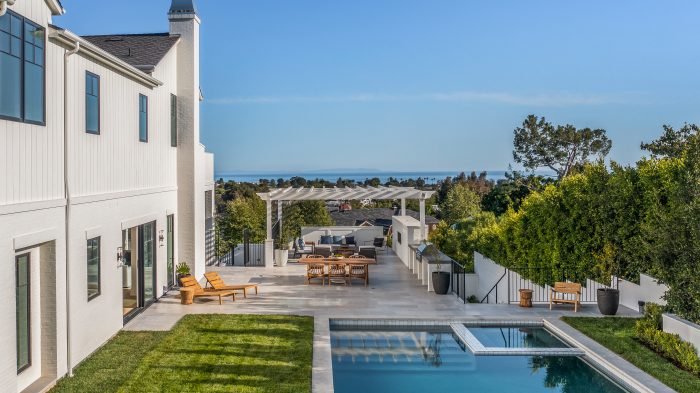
[(31, 156), (115, 160)]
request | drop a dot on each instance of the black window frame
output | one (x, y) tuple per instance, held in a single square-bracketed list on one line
[(89, 74), (173, 120), (22, 118), (20, 369), (143, 98), (99, 268)]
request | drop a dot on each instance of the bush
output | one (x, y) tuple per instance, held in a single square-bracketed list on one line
[(649, 331)]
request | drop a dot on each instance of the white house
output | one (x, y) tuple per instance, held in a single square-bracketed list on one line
[(104, 185)]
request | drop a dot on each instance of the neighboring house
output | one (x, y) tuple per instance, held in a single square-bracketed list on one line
[(104, 184), (381, 217)]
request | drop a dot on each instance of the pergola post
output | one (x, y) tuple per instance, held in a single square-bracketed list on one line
[(421, 202), (269, 242), (403, 206)]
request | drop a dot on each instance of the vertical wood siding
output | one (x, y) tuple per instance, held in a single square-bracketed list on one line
[(31, 156)]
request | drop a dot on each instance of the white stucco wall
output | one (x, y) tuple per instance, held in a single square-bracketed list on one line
[(409, 230), (648, 290), (687, 330)]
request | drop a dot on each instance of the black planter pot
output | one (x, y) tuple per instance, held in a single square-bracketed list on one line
[(441, 282), (608, 301)]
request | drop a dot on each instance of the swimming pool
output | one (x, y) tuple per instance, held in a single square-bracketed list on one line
[(516, 337), (422, 359)]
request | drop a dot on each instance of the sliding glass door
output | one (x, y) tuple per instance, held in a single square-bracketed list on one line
[(171, 251), (147, 251)]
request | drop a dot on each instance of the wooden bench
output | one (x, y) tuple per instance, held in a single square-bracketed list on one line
[(558, 294), (191, 282)]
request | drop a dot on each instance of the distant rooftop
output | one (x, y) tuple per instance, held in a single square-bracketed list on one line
[(143, 51), (374, 216)]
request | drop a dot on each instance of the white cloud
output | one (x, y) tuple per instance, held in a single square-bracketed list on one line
[(563, 99)]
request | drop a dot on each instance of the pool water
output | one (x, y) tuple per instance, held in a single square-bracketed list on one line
[(516, 337), (426, 361)]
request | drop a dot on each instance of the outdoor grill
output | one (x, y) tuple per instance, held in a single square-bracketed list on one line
[(428, 249)]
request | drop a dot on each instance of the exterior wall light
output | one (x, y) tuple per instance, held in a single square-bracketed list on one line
[(161, 238)]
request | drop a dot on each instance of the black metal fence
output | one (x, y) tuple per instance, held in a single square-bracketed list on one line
[(539, 280), (459, 280), (245, 254)]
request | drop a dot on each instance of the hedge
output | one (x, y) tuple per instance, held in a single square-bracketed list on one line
[(649, 331), (604, 221)]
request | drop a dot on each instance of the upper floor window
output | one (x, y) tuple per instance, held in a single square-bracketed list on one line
[(22, 58), (92, 103), (143, 118), (173, 120)]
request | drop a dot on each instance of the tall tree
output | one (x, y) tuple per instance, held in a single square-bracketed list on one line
[(461, 203), (672, 142), (538, 143)]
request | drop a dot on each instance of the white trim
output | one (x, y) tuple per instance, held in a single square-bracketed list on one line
[(118, 195), (136, 221), (93, 232), (34, 238), (55, 7), (31, 206)]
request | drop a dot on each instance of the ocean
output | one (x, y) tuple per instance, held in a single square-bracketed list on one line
[(429, 177)]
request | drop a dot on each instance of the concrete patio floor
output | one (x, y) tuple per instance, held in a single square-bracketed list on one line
[(394, 292)]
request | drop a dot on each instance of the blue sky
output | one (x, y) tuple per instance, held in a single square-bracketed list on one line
[(406, 85)]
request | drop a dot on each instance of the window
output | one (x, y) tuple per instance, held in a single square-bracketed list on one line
[(173, 120), (143, 118), (23, 302), (21, 69), (93, 268), (92, 103)]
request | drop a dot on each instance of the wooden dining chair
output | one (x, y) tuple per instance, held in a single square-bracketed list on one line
[(316, 270), (358, 271), (336, 272)]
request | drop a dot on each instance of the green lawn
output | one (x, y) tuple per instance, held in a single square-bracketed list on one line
[(204, 353), (617, 334)]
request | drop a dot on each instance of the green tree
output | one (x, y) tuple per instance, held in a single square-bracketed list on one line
[(672, 142), (538, 143), (302, 214), (461, 203), (238, 215)]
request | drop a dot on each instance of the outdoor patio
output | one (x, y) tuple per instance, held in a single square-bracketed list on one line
[(393, 293)]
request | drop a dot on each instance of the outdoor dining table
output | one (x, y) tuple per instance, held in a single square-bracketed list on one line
[(346, 261)]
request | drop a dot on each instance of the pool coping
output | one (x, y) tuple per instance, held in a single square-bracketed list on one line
[(604, 360)]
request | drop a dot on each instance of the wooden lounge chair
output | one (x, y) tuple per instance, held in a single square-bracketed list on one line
[(191, 282), (218, 283), (565, 288), (316, 270)]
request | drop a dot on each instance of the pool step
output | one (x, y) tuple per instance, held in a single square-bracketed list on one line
[(478, 349)]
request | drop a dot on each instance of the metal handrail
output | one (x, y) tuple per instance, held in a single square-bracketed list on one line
[(505, 272)]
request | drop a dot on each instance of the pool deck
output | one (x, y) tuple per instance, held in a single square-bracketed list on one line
[(394, 294)]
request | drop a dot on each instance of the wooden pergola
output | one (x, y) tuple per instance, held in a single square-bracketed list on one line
[(280, 195)]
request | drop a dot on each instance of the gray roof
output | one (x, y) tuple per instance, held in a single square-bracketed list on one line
[(143, 51), (375, 216)]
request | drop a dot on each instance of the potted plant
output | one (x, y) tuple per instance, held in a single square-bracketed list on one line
[(282, 253), (183, 270), (608, 299)]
